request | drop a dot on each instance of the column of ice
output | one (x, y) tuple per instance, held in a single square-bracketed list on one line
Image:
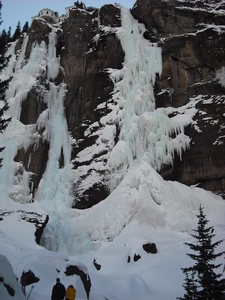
[(17, 135), (55, 184), (145, 130)]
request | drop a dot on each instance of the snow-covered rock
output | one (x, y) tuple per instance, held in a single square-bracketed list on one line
[(10, 288)]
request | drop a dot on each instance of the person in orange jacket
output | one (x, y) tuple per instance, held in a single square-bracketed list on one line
[(70, 292)]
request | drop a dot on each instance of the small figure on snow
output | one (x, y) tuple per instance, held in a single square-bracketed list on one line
[(70, 293), (58, 291)]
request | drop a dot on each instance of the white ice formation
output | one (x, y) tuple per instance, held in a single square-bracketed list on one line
[(54, 186), (145, 130)]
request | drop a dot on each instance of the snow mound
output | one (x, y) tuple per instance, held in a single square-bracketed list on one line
[(9, 286)]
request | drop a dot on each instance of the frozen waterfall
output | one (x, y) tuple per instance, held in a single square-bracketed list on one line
[(55, 185), (145, 130), (25, 74)]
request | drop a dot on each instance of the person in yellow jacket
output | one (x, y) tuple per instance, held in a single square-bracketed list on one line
[(70, 292)]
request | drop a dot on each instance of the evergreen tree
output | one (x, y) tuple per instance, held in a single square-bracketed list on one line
[(79, 4), (9, 35), (3, 85), (3, 39), (206, 284), (25, 27), (189, 286), (17, 32)]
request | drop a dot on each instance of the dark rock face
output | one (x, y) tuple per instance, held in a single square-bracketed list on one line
[(202, 163), (88, 53), (97, 266), (137, 257), (192, 52), (110, 16), (84, 62), (35, 160), (176, 17), (150, 248), (28, 278), (32, 107)]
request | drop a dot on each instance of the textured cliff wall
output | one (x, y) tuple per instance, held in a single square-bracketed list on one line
[(87, 47), (91, 48), (192, 37)]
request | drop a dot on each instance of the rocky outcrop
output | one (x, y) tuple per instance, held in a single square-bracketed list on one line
[(81, 271), (89, 52), (34, 159), (177, 17), (9, 286), (192, 37), (28, 277), (39, 221), (97, 266), (150, 248), (38, 33)]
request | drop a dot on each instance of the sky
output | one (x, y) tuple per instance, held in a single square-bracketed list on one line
[(22, 10)]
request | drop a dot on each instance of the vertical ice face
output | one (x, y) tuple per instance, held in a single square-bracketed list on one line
[(25, 76), (145, 130), (53, 60), (54, 189), (17, 135), (43, 62)]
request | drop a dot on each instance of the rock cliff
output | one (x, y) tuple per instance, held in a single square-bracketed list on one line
[(192, 37)]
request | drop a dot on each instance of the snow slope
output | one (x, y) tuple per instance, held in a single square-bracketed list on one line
[(142, 207)]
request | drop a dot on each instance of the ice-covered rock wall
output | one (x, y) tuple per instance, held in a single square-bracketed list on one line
[(54, 190), (192, 36), (39, 72), (144, 130), (9, 286), (14, 177)]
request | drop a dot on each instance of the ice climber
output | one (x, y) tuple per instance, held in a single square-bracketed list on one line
[(58, 291), (70, 292)]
